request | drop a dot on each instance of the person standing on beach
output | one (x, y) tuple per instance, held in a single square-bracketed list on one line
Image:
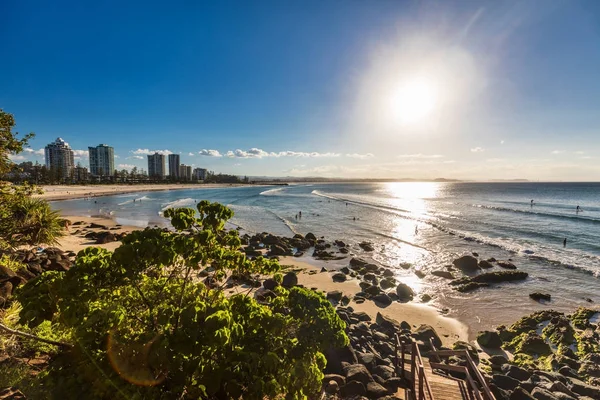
[(565, 242)]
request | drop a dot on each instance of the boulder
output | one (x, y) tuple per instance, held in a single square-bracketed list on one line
[(484, 264), (489, 339), (339, 277), (584, 389), (345, 270), (366, 359), (6, 272), (334, 295), (443, 274), (336, 356), (353, 389), (105, 237), (332, 387), (387, 324), (466, 263), (537, 296), (357, 372), (542, 394), (426, 332), (339, 379), (520, 394), (375, 390), (270, 284), (404, 292), (361, 316), (366, 246), (506, 264), (516, 372), (384, 371), (382, 299), (357, 263), (289, 280), (310, 237), (498, 359), (505, 382)]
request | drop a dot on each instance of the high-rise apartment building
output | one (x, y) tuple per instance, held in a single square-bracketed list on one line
[(102, 160), (59, 157), (156, 165), (185, 172), (199, 174), (174, 165)]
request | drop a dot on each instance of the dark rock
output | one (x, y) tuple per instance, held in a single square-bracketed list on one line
[(25, 274), (516, 372), (335, 358), (569, 372), (387, 283), (520, 394), (375, 390), (270, 284), (443, 274), (357, 263), (366, 359), (506, 264), (384, 371), (584, 389), (353, 388), (483, 264), (470, 286), (426, 332), (6, 272), (371, 268), (425, 298), (339, 379), (289, 280), (420, 274), (105, 237), (542, 394), (357, 372), (334, 295), (366, 246), (387, 324), (332, 387), (345, 270), (497, 359), (311, 237), (559, 387), (404, 292), (500, 394), (489, 339), (505, 382), (59, 265), (361, 316), (466, 263), (339, 277), (382, 299), (537, 296)]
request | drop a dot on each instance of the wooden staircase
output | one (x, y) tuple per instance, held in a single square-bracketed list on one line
[(424, 382)]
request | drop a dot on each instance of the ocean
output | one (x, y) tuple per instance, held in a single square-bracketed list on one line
[(425, 224)]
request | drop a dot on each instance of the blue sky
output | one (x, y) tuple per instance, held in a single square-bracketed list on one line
[(302, 88)]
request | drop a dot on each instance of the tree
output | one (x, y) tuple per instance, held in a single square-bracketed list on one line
[(9, 143), (145, 325), (23, 220)]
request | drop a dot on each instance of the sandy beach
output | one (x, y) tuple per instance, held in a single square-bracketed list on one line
[(309, 275), (66, 192)]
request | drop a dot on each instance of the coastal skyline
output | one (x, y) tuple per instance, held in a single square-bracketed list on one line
[(424, 90)]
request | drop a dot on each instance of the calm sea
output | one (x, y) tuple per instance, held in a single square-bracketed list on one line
[(426, 224)]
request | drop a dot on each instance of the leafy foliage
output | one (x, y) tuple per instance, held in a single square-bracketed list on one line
[(9, 143), (146, 325)]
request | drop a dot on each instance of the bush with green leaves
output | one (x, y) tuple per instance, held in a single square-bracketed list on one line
[(146, 325)]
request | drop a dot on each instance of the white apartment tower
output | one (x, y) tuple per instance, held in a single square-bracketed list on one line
[(102, 160), (59, 157)]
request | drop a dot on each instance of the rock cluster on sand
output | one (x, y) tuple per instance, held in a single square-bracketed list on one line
[(560, 363), (34, 264)]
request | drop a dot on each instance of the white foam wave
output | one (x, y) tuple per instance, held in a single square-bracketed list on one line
[(271, 192), (178, 203)]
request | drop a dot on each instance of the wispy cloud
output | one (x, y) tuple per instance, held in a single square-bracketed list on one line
[(361, 156), (147, 152), (191, 154), (16, 157), (259, 153), (80, 153), (39, 152), (419, 155), (579, 152), (136, 157), (477, 150), (557, 152), (210, 153), (125, 166)]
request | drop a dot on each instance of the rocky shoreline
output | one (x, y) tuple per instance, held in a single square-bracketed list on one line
[(547, 355)]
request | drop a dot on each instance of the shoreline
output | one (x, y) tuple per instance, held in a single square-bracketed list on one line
[(68, 192), (308, 270)]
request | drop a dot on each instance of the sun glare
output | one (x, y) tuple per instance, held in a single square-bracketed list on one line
[(414, 100)]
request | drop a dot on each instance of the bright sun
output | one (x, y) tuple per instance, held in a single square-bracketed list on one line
[(414, 100)]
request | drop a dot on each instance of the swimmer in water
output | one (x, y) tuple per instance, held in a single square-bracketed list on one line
[(565, 242)]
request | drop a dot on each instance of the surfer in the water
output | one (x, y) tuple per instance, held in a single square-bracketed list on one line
[(531, 203), (578, 209), (565, 242)]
